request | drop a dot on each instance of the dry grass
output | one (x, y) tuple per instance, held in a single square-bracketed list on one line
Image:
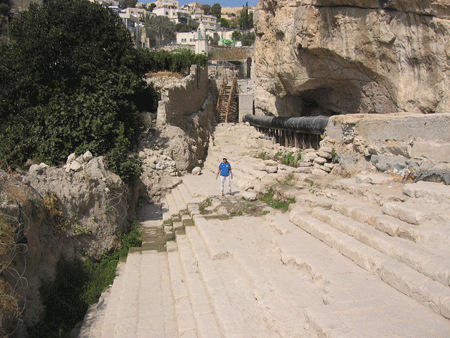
[(53, 213), (164, 74)]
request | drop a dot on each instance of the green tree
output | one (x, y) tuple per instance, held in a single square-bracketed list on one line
[(236, 36), (127, 3), (184, 27), (248, 39), (224, 23), (68, 82), (160, 29), (206, 9), (245, 19), (216, 10), (5, 16)]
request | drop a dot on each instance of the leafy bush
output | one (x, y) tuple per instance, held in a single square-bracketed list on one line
[(262, 155), (283, 205), (288, 159), (123, 163), (68, 85)]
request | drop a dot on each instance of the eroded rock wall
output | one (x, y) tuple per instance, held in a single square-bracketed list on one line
[(62, 213), (345, 56)]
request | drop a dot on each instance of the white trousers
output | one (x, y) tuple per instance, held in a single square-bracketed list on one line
[(222, 181)]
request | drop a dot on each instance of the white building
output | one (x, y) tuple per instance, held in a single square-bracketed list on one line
[(209, 21), (137, 12), (186, 38), (176, 15), (135, 26)]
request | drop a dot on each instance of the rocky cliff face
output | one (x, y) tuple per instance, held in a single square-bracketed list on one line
[(346, 56), (61, 212)]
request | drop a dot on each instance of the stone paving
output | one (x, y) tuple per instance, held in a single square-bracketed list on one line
[(342, 262)]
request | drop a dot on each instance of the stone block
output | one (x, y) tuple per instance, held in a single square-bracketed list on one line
[(319, 172), (320, 160), (439, 152)]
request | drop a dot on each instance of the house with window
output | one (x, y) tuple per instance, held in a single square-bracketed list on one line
[(209, 21), (135, 26), (176, 15), (186, 38), (137, 12)]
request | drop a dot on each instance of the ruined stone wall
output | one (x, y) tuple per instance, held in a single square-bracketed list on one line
[(183, 98), (417, 145), (344, 56)]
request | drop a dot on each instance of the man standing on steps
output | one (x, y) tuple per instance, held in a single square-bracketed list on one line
[(225, 174)]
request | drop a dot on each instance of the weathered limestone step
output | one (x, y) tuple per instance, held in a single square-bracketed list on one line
[(187, 198), (428, 191), (146, 306), (403, 251), (274, 291), (228, 316), (313, 201), (184, 312), (172, 205), (156, 303), (93, 320), (153, 238), (109, 321), (127, 315), (406, 280), (384, 223), (203, 186), (181, 204), (356, 303), (203, 311), (417, 214), (165, 210)]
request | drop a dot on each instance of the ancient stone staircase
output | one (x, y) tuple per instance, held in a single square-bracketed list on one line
[(343, 262)]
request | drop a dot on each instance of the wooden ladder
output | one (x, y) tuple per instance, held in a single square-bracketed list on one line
[(227, 108)]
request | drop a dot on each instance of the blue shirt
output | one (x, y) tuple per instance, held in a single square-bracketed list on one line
[(224, 169)]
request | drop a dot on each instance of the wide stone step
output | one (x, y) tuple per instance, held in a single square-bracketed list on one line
[(187, 198), (229, 317), (356, 303), (310, 283), (428, 191), (184, 313), (172, 205), (417, 258), (179, 201), (406, 280), (109, 321), (379, 221), (417, 214), (202, 310)]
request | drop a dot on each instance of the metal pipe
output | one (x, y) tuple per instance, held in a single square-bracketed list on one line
[(306, 124)]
